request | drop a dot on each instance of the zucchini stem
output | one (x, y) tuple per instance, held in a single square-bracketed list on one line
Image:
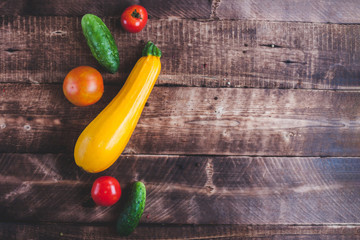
[(151, 49)]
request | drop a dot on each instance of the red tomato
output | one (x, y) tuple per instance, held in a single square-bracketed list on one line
[(105, 191), (134, 18), (83, 86)]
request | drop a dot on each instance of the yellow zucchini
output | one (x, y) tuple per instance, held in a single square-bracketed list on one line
[(104, 139)]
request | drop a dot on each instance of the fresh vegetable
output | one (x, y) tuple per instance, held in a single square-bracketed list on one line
[(134, 18), (104, 139), (101, 42), (83, 86), (131, 213), (105, 191)]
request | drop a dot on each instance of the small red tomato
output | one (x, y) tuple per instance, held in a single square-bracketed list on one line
[(105, 191), (83, 86), (134, 18)]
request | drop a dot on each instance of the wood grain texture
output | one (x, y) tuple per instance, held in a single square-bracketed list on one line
[(345, 11), (329, 11), (176, 120), (45, 231), (155, 8), (186, 189), (252, 54)]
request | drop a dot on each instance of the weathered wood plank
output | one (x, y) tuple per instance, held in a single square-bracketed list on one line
[(222, 121), (346, 11), (186, 189), (156, 8), (330, 11), (207, 54), (45, 231)]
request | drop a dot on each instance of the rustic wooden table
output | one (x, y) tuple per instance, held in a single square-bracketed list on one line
[(252, 130)]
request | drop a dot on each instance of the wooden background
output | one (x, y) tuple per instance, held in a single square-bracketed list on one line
[(252, 130)]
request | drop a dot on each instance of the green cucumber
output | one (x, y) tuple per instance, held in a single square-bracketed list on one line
[(130, 216), (101, 42)]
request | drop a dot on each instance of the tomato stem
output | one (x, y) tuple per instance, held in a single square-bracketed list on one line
[(136, 14)]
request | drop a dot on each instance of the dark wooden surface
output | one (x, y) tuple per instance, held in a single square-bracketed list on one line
[(329, 11), (160, 231), (251, 132), (188, 189), (266, 122), (156, 8), (242, 53)]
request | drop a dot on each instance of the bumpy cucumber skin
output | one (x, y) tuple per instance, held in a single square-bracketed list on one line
[(133, 210), (101, 42)]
